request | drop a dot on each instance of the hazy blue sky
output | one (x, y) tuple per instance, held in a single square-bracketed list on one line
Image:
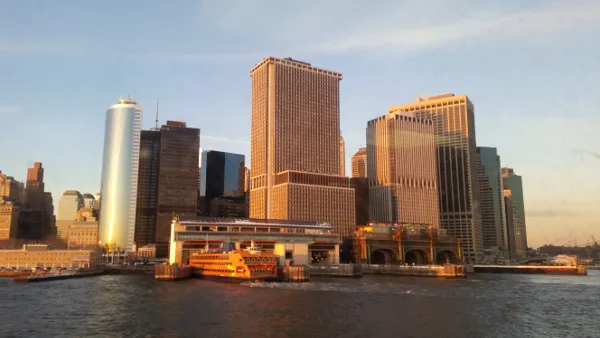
[(530, 67)]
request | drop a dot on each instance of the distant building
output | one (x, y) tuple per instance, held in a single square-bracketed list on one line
[(89, 201), (361, 199), (9, 219), (69, 204), (453, 118), (401, 170), (10, 189), (295, 145), (120, 165), (83, 235), (493, 213), (223, 184), (35, 220), (147, 195), (342, 157), (44, 257), (359, 163), (177, 179), (513, 188)]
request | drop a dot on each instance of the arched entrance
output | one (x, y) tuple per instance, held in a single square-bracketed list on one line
[(445, 257), (415, 257), (382, 256)]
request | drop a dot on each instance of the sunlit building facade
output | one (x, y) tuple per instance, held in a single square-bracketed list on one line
[(453, 119), (120, 175), (295, 145), (359, 163), (513, 189), (342, 157), (401, 171), (69, 204)]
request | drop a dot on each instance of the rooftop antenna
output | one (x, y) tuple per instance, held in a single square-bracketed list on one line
[(156, 121)]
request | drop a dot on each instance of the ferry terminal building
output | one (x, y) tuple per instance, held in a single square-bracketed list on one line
[(303, 242)]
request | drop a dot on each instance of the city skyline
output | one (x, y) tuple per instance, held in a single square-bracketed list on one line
[(544, 119)]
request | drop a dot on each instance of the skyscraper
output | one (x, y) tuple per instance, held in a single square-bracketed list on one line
[(9, 206), (513, 188), (342, 157), (359, 163), (454, 127), (35, 221), (89, 201), (401, 170), (295, 145), (69, 204), (147, 194), (177, 179), (120, 175), (493, 213), (222, 187)]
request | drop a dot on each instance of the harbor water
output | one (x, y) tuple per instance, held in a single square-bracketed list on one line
[(482, 305)]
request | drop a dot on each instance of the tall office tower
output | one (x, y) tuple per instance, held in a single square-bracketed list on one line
[(69, 204), (359, 163), (120, 164), (89, 201), (50, 218), (34, 222), (247, 180), (177, 179), (342, 157), (147, 191), (513, 187), (295, 145), (512, 222), (493, 213), (401, 170), (223, 184), (454, 127)]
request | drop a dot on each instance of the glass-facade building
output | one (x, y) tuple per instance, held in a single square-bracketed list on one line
[(493, 214), (120, 175), (223, 175), (513, 188)]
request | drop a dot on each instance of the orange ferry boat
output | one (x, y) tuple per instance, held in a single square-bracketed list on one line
[(248, 264)]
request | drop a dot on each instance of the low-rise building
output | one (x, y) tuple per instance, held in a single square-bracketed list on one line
[(44, 257), (83, 235), (9, 220), (147, 251)]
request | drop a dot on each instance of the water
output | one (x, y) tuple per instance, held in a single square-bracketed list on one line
[(374, 306)]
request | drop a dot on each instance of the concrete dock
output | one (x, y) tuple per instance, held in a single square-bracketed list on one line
[(54, 277), (171, 272), (578, 270), (339, 270), (444, 271)]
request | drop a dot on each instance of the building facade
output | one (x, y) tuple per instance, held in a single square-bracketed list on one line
[(493, 213), (9, 219), (513, 188), (342, 157), (222, 189), (43, 256), (147, 193), (295, 145), (359, 163), (177, 179), (83, 235), (120, 165), (69, 204), (402, 171), (453, 119), (89, 201), (35, 218), (361, 199)]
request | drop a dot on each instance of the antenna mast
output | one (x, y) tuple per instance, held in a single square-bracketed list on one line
[(156, 121)]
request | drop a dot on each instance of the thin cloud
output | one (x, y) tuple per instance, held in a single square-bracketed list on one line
[(9, 109), (587, 152), (223, 139)]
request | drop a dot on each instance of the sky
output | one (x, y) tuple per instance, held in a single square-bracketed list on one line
[(530, 67)]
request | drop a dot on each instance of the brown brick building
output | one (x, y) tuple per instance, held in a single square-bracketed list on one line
[(177, 178), (359, 163), (295, 145)]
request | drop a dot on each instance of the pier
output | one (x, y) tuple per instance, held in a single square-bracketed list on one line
[(54, 277), (578, 270), (171, 272), (339, 270), (444, 271)]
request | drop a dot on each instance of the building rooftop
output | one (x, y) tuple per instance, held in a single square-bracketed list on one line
[(89, 196), (72, 193), (296, 64), (361, 151), (203, 220)]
